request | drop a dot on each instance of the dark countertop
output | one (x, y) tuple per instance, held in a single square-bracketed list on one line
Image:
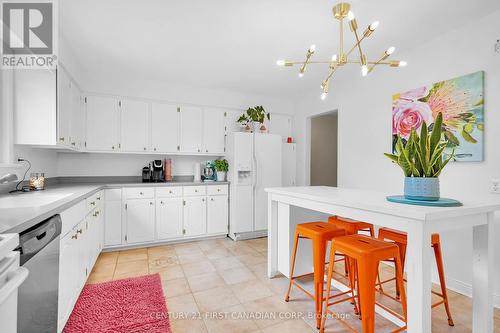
[(65, 195)]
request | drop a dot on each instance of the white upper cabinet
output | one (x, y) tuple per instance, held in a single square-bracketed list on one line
[(190, 120), (102, 123), (214, 134), (35, 107), (77, 126), (164, 128), (65, 108), (134, 125)]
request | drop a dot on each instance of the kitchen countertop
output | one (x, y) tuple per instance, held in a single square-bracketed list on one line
[(15, 220)]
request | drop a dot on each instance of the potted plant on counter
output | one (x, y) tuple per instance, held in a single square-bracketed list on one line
[(221, 167), (421, 159)]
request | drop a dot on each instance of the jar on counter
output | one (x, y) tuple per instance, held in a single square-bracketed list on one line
[(37, 181)]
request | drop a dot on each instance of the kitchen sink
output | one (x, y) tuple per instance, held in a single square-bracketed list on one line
[(26, 200)]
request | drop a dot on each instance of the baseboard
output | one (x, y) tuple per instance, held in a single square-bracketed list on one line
[(466, 290), (459, 287), (248, 235)]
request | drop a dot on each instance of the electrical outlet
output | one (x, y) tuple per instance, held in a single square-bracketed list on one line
[(495, 186)]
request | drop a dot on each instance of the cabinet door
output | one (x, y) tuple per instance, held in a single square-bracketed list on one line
[(134, 125), (191, 129), (102, 123), (214, 131), (77, 118), (67, 277), (217, 214), (169, 218), (195, 216), (64, 110), (113, 223), (164, 128), (140, 217)]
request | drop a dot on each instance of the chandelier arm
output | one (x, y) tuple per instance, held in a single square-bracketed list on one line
[(362, 57), (308, 57), (378, 62)]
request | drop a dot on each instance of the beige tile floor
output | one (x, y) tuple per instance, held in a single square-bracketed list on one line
[(221, 286)]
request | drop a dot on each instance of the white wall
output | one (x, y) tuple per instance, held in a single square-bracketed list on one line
[(364, 130)]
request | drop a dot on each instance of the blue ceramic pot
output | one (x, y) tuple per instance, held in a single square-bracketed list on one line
[(422, 188)]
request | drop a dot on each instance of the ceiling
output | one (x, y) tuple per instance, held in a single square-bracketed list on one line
[(233, 45)]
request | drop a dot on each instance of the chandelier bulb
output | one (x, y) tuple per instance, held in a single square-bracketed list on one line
[(301, 74), (280, 62), (374, 26), (364, 70), (312, 48), (402, 64), (390, 50), (350, 16), (334, 58), (323, 96)]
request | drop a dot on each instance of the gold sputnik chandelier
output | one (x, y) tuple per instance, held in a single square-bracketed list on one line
[(340, 12)]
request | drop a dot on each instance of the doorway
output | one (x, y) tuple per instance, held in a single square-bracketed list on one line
[(324, 133)]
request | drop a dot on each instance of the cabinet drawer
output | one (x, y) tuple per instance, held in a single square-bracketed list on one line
[(72, 216), (113, 194), (169, 192), (139, 193), (94, 200), (217, 189), (195, 190)]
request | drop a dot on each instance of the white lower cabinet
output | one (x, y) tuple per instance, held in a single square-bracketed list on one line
[(113, 217), (217, 214), (140, 220), (195, 216), (80, 245), (169, 218), (144, 215)]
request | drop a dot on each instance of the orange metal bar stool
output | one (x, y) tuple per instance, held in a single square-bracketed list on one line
[(400, 239), (351, 227), (364, 254), (320, 233)]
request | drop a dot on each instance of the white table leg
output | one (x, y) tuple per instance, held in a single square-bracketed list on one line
[(272, 237), (419, 279), (482, 280)]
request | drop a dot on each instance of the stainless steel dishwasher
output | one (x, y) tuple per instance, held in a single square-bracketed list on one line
[(37, 302)]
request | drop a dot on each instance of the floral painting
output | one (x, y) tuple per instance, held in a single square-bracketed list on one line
[(460, 100)]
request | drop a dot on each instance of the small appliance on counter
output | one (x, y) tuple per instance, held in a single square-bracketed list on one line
[(208, 172), (146, 174), (167, 170), (37, 181), (157, 176)]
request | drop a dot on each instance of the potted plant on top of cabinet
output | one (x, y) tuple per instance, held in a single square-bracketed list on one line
[(244, 121), (221, 167), (253, 116), (421, 159)]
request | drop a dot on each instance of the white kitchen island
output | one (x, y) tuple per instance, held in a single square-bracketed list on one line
[(418, 221)]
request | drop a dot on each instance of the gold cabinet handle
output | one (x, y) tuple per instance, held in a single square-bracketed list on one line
[(61, 138), (75, 236), (79, 231), (93, 203)]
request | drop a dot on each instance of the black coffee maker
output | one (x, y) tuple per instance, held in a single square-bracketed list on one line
[(157, 175)]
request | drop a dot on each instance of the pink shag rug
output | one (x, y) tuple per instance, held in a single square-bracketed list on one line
[(128, 305)]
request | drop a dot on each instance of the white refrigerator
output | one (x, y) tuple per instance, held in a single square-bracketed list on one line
[(254, 164)]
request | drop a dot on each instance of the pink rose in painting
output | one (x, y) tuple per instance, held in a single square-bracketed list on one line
[(415, 94), (409, 115)]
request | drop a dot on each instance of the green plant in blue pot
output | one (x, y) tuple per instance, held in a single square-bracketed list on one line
[(421, 159)]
